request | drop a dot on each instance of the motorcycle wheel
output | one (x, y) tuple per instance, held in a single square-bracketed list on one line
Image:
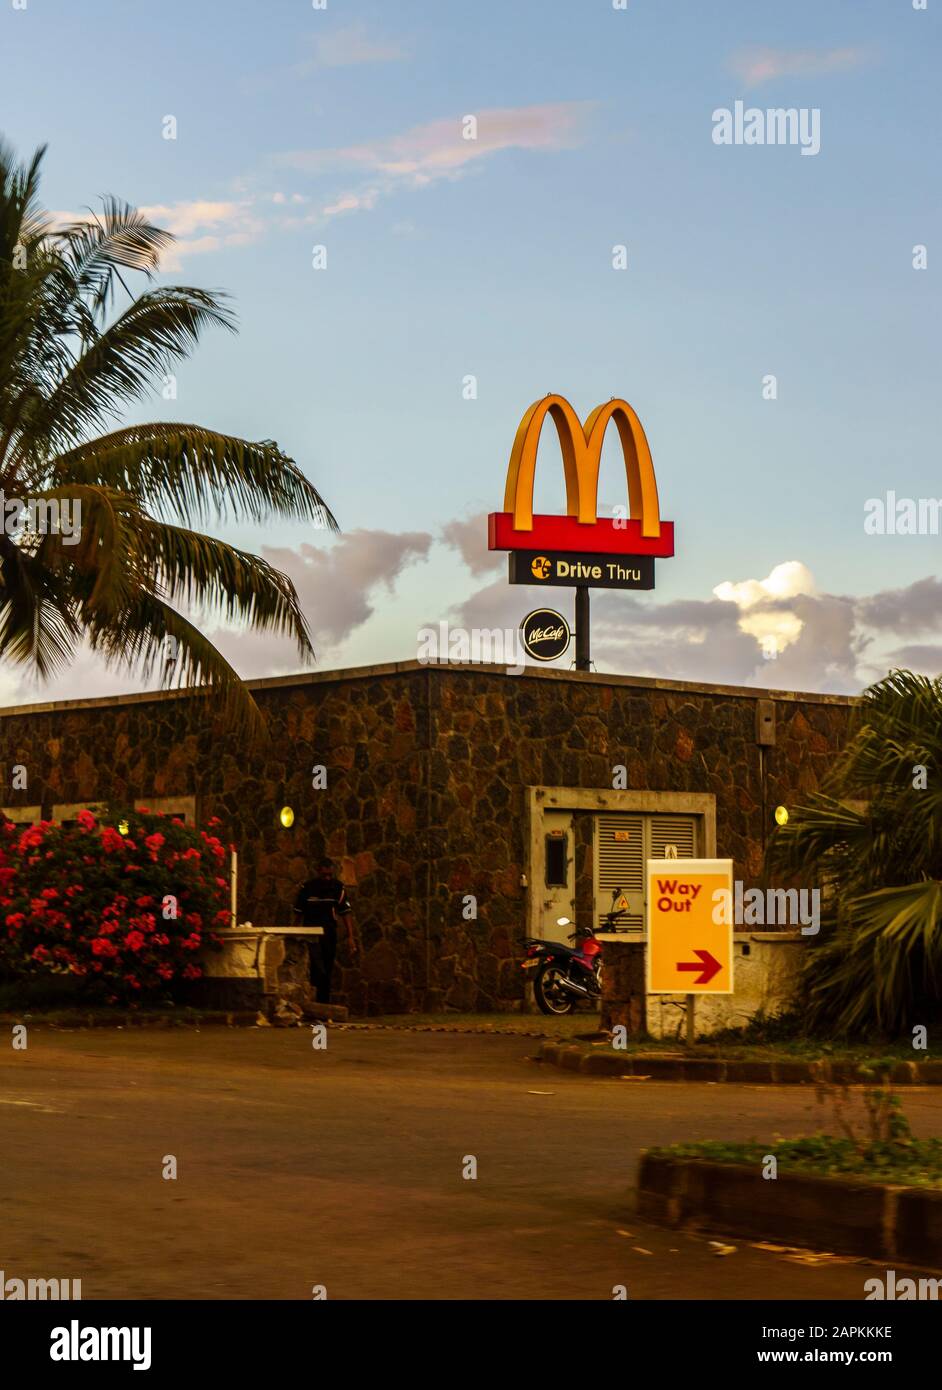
[(550, 998)]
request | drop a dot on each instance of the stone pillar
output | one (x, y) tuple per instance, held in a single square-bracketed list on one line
[(623, 987)]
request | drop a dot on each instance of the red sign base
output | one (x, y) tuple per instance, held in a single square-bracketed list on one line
[(603, 537)]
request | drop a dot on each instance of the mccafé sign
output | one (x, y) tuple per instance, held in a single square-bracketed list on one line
[(582, 533)]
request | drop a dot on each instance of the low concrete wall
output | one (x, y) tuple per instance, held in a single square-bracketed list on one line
[(766, 967), (254, 967), (834, 1214)]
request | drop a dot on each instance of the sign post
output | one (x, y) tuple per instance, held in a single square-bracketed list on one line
[(583, 660), (689, 929)]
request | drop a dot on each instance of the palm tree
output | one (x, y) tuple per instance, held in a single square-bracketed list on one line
[(68, 364), (872, 840)]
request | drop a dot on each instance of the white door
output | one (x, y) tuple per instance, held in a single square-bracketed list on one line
[(557, 886)]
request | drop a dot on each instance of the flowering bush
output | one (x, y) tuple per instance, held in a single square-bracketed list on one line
[(125, 913)]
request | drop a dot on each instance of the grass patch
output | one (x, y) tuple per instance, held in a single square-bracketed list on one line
[(915, 1162)]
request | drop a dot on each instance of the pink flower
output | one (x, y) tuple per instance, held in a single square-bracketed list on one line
[(86, 820), (134, 940), (40, 953), (101, 946)]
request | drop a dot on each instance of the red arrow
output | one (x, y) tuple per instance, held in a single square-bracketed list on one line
[(708, 964)]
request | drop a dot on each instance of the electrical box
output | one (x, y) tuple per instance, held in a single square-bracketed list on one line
[(765, 723)]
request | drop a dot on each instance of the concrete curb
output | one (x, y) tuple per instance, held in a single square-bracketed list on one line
[(607, 1062), (215, 1018), (822, 1213)]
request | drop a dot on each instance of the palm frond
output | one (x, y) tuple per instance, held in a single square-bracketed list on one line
[(151, 638), (214, 575), (197, 473)]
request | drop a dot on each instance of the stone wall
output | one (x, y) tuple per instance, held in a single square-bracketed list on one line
[(427, 769)]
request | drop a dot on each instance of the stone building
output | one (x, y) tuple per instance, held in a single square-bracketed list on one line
[(467, 808)]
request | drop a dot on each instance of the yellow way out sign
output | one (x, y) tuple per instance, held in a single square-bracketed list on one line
[(689, 926)]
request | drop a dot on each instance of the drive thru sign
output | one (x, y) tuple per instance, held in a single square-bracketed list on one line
[(688, 951)]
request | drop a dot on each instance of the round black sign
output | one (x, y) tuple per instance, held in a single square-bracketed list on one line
[(545, 634)]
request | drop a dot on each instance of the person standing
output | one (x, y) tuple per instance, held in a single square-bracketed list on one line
[(321, 902)]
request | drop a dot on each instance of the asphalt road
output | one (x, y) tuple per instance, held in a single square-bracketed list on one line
[(343, 1168)]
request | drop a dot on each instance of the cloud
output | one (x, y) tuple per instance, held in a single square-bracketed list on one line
[(441, 150), (219, 224), (335, 582), (917, 608), (777, 632), (758, 65), (763, 605), (364, 201), (352, 46), (919, 657), (469, 538)]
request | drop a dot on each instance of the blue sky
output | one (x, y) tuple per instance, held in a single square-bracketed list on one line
[(341, 127)]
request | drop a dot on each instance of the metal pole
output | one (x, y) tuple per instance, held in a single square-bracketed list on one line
[(691, 1026), (582, 628)]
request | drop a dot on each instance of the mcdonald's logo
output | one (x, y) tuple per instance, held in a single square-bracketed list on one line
[(642, 533)]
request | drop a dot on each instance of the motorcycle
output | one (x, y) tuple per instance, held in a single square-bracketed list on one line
[(567, 974)]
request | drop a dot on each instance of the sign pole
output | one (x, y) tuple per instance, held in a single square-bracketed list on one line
[(691, 1000), (583, 662)]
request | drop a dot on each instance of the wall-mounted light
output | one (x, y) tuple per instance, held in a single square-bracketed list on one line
[(286, 816), (781, 815)]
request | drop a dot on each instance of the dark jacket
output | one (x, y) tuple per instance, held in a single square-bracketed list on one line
[(321, 901)]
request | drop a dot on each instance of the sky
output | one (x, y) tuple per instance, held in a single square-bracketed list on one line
[(773, 325)]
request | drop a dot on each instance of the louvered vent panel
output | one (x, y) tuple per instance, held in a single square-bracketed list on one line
[(679, 831)]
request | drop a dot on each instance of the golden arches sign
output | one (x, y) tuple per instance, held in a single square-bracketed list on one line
[(642, 533), (582, 455)]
